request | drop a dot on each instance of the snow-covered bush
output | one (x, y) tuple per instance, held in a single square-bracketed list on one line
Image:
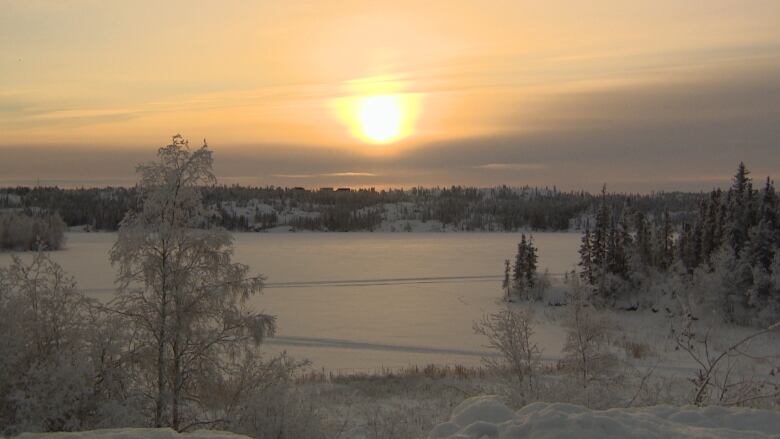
[(45, 375), (281, 411), (542, 285), (726, 374), (258, 397), (29, 231), (587, 356), (509, 332)]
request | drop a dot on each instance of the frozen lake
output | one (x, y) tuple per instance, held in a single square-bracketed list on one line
[(417, 296)]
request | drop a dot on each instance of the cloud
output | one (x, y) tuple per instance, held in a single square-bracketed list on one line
[(349, 174), (686, 133), (295, 175), (328, 174), (512, 167)]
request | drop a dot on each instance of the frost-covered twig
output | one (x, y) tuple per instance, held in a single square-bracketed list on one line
[(713, 364), (642, 384)]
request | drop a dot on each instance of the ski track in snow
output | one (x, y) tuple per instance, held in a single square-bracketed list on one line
[(322, 342), (335, 343), (368, 282), (359, 282)]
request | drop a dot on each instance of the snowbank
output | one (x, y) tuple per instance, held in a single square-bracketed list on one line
[(486, 417), (133, 433)]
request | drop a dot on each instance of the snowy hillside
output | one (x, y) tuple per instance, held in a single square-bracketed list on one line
[(486, 417)]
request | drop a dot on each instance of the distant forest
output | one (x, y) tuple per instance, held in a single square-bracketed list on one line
[(247, 208)]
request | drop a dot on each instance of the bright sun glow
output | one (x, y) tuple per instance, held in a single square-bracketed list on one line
[(380, 118)]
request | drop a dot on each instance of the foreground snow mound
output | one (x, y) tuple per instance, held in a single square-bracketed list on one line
[(485, 417), (135, 433)]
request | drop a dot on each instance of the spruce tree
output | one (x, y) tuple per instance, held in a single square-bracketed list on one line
[(668, 241), (712, 227), (720, 219), (586, 258), (738, 214), (519, 268), (517, 271), (762, 245), (612, 253), (697, 232), (768, 210), (686, 249), (643, 247), (506, 284), (531, 260), (625, 243), (663, 245), (600, 236)]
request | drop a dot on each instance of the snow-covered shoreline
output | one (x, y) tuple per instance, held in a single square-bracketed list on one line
[(135, 433), (486, 417)]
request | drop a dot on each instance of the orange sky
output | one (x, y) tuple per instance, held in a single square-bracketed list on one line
[(503, 91)]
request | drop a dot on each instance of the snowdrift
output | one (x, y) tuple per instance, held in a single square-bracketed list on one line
[(135, 433), (486, 417)]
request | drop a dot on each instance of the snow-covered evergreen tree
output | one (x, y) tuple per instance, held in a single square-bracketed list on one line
[(518, 270), (625, 243), (524, 271), (712, 229), (506, 285), (530, 264), (763, 238), (666, 251), (686, 248), (599, 241), (740, 203), (586, 258), (643, 237)]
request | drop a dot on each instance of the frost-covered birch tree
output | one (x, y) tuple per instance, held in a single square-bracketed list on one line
[(179, 288)]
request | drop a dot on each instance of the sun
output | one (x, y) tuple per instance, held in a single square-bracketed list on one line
[(380, 118)]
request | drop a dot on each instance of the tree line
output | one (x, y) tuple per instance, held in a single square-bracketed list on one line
[(725, 255), (500, 208)]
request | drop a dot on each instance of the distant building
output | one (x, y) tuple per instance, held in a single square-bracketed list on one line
[(343, 189), (299, 189)]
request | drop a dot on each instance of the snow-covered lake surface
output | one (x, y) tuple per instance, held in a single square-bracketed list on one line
[(405, 309)]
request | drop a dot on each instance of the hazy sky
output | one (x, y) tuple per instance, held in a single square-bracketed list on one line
[(641, 95)]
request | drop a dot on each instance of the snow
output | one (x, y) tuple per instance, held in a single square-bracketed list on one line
[(135, 433), (485, 417), (11, 199), (372, 325), (262, 207), (376, 325)]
